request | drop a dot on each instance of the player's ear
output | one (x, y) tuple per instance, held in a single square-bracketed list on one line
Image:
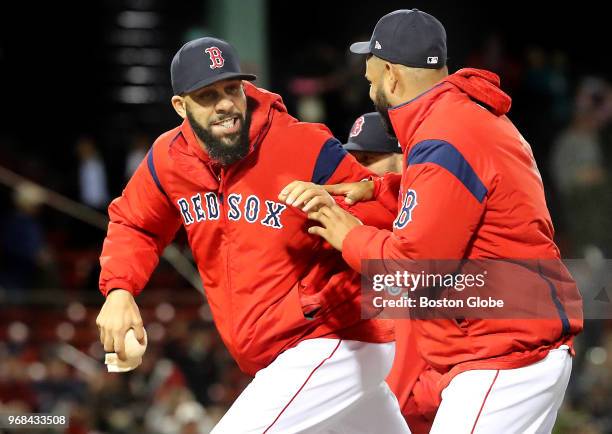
[(392, 77), (178, 103)]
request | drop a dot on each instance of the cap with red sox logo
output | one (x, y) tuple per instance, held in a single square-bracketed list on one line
[(202, 62), (369, 135)]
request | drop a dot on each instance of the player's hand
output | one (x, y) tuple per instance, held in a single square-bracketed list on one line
[(353, 192), (119, 314), (335, 224), (306, 195)]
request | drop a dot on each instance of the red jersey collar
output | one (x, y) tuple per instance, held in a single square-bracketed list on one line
[(408, 116)]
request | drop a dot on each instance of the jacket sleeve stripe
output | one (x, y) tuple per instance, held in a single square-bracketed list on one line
[(447, 156), (329, 158), (151, 165)]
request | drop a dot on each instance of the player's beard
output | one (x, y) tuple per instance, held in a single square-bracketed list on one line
[(234, 147), (382, 107)]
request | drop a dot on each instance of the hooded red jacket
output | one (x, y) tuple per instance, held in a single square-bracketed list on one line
[(470, 188), (268, 282)]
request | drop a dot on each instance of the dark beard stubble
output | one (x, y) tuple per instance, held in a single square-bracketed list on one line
[(222, 153)]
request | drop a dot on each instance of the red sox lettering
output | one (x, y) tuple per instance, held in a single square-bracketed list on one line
[(200, 207)]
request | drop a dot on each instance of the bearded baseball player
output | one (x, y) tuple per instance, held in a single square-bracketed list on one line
[(284, 302), (469, 189)]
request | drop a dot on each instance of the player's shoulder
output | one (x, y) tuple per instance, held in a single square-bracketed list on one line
[(159, 158), (165, 140), (463, 123), (161, 147), (296, 133), (465, 116)]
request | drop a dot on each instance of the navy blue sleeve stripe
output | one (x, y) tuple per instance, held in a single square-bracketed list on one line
[(151, 165), (328, 160), (447, 156)]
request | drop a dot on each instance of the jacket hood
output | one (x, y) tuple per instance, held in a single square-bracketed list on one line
[(479, 85), (483, 87)]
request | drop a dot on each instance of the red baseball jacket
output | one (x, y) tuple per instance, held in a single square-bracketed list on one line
[(470, 188), (269, 283), (413, 381)]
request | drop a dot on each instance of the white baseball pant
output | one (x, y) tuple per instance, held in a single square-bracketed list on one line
[(330, 386), (521, 401)]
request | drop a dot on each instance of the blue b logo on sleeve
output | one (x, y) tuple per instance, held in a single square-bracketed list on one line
[(405, 214)]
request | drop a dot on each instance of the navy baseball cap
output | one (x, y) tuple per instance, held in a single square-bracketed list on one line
[(368, 134), (407, 37), (202, 62)]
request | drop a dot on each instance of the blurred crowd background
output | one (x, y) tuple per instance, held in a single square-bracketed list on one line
[(88, 91)]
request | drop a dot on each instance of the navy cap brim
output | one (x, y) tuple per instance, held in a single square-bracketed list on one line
[(352, 146), (360, 47), (224, 76)]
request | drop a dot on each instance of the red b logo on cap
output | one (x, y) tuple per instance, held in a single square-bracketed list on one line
[(216, 58), (357, 126)]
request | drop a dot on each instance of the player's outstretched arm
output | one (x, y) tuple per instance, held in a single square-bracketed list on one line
[(335, 170), (143, 221)]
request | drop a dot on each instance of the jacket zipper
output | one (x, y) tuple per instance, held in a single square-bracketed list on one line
[(228, 277), (222, 197)]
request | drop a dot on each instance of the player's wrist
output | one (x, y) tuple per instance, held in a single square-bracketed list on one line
[(118, 292)]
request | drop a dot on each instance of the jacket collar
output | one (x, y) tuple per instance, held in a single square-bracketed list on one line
[(407, 117)]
